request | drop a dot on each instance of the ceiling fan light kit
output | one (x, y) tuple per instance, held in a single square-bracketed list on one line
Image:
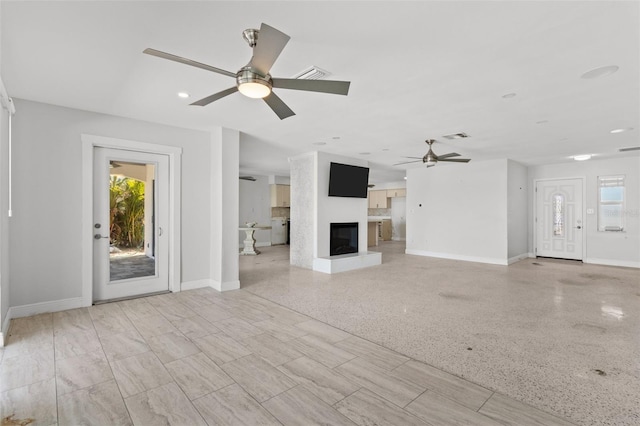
[(253, 80), (253, 85)]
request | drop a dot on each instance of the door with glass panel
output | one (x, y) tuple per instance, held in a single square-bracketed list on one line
[(559, 221), (130, 238)]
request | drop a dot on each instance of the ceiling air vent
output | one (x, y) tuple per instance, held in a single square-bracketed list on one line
[(631, 148), (312, 73), (460, 135)]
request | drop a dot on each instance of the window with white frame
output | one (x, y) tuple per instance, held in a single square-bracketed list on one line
[(611, 203)]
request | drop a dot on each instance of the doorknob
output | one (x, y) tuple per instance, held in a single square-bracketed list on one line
[(98, 236), (578, 227)]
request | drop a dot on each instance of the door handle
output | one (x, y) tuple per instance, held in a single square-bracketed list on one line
[(578, 227), (159, 232), (98, 236)]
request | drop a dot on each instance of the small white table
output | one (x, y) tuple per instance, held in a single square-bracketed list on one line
[(250, 242)]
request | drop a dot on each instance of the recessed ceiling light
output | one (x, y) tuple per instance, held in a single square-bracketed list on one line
[(335, 138), (600, 72), (626, 129), (183, 95), (542, 122), (509, 96), (582, 157), (319, 143), (364, 153), (405, 178), (385, 149)]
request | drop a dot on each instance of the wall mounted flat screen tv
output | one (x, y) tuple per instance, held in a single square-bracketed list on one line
[(346, 180)]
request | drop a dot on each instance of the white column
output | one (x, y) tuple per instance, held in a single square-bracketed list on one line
[(225, 159)]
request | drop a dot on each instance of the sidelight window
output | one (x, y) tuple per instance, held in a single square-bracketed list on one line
[(610, 203)]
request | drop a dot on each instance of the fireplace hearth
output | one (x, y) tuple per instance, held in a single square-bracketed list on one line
[(343, 238)]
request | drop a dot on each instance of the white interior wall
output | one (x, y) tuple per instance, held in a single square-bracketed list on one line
[(337, 209), (46, 226), (390, 185), (4, 219), (612, 248), (458, 211), (279, 180), (4, 223), (255, 206), (518, 209)]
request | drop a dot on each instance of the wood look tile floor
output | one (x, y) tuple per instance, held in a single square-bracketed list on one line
[(161, 361)]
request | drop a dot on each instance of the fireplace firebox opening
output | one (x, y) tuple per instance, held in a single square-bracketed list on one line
[(343, 238)]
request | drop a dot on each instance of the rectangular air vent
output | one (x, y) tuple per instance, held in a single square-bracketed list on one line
[(631, 148), (312, 73), (460, 135)]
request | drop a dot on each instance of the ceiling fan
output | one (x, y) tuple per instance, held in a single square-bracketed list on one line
[(253, 80), (431, 158)]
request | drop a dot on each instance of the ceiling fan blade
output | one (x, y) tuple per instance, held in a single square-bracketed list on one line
[(267, 49), (451, 154), (325, 86), (278, 106), (215, 96), (417, 158), (186, 61), (455, 160), (407, 162)]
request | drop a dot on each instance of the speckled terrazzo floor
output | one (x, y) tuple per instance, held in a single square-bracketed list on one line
[(560, 335)]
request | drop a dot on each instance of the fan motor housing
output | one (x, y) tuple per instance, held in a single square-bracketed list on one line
[(248, 75)]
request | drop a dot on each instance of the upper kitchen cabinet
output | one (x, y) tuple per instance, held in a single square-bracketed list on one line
[(378, 199), (399, 192), (280, 195)]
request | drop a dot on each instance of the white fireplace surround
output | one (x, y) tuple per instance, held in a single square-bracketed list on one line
[(313, 211)]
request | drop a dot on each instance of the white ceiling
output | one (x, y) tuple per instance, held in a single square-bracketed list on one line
[(419, 70)]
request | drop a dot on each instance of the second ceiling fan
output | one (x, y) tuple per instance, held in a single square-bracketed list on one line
[(253, 80), (430, 158)]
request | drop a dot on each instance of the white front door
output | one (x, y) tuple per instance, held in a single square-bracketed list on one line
[(130, 227), (559, 224)]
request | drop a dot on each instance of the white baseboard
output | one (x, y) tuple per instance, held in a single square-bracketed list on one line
[(225, 286), (40, 308), (518, 258), (612, 262), (192, 285), (259, 244), (490, 260)]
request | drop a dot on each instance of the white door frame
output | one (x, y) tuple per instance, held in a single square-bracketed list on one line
[(89, 142), (582, 213)]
